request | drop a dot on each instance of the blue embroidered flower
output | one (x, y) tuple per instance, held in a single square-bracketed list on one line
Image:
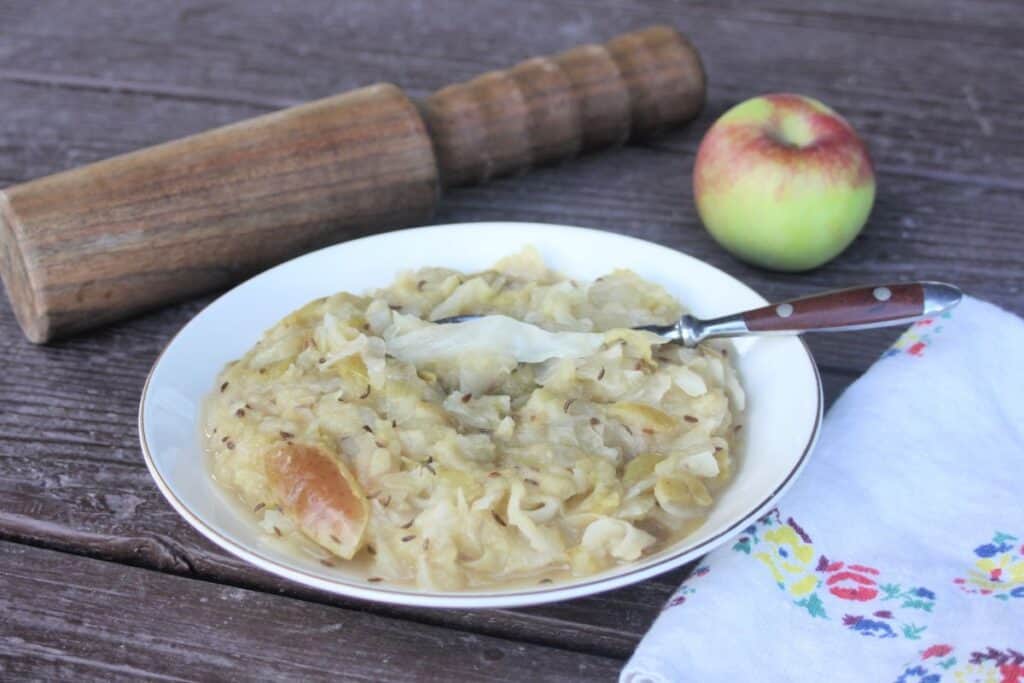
[(991, 549), (923, 593), (918, 674), (869, 627)]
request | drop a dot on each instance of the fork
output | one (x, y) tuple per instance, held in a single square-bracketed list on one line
[(855, 308)]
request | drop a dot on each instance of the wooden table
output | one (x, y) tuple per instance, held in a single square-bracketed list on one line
[(100, 579)]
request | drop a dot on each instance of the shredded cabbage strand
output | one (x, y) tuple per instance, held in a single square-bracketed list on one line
[(491, 334)]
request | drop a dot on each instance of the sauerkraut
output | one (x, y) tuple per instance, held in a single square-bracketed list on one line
[(463, 466)]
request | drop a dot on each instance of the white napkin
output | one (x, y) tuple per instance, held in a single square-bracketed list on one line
[(899, 554)]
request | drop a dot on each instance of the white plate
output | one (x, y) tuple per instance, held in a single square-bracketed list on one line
[(781, 425)]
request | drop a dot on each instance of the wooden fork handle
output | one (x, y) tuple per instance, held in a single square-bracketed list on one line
[(856, 308)]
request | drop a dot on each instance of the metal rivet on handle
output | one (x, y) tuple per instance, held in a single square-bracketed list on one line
[(882, 293), (784, 310)]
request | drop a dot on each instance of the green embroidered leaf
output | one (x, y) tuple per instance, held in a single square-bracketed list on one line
[(891, 590), (913, 632), (1000, 537), (948, 663), (914, 603), (812, 603), (748, 540)]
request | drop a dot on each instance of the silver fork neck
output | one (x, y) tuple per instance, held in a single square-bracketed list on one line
[(690, 331), (726, 326)]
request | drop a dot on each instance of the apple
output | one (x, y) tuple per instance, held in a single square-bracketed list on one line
[(783, 182)]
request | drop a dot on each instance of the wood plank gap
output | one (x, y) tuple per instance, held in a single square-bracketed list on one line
[(183, 567), (952, 178), (78, 457), (144, 612), (180, 92)]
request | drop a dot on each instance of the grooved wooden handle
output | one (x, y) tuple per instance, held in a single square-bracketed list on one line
[(842, 309), (551, 108), (124, 235)]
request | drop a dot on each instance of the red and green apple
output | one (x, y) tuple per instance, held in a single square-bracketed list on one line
[(783, 182)]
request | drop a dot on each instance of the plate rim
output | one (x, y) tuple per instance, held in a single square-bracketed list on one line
[(469, 600)]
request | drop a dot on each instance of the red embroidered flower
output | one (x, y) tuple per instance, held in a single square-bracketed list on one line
[(916, 349), (854, 583), (678, 600), (936, 651), (1011, 673)]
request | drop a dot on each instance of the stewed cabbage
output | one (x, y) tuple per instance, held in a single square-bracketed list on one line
[(473, 464)]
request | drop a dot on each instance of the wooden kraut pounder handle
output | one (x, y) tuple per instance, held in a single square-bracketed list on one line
[(120, 236)]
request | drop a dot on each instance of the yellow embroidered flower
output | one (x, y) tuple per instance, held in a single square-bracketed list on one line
[(997, 573), (977, 673), (789, 559)]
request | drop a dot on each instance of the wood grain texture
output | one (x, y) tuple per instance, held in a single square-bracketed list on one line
[(103, 621), (934, 87)]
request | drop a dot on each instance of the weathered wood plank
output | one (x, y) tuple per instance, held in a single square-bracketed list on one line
[(935, 89), (646, 192), (930, 134), (909, 107), (104, 621)]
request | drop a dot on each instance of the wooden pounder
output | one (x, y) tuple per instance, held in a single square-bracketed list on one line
[(98, 243)]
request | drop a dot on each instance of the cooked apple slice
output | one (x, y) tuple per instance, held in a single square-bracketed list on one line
[(319, 493)]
